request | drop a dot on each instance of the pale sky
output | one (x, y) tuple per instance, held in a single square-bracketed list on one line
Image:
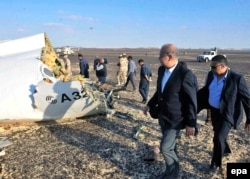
[(130, 23)]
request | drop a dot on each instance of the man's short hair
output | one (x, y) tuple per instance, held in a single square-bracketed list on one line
[(80, 55), (130, 57), (168, 49), (140, 61), (220, 59)]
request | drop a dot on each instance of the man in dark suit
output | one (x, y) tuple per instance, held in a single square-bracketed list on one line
[(84, 66), (224, 93), (145, 78), (177, 105)]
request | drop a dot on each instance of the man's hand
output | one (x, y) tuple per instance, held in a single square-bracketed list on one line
[(145, 110), (189, 131), (247, 127)]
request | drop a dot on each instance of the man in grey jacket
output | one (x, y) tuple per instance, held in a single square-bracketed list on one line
[(131, 72)]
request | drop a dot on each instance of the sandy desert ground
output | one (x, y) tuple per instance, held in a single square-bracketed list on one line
[(101, 147)]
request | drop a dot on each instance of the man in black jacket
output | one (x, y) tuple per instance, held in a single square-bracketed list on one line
[(145, 78), (177, 103), (101, 71), (131, 72), (224, 93)]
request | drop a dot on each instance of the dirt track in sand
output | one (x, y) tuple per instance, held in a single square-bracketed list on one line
[(101, 147)]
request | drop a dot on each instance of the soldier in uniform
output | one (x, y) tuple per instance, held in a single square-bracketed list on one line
[(123, 70), (67, 64)]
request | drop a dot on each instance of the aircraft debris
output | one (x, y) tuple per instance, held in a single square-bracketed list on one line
[(138, 131), (43, 89), (4, 143)]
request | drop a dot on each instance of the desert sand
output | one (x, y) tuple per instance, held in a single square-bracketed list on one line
[(102, 147)]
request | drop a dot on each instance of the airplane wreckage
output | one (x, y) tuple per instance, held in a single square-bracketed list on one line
[(36, 86)]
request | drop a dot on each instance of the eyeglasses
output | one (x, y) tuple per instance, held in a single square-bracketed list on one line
[(215, 66)]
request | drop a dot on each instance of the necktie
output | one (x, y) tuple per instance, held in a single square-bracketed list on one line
[(165, 79)]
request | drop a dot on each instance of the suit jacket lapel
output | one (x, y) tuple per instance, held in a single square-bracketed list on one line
[(210, 78), (226, 83), (161, 73)]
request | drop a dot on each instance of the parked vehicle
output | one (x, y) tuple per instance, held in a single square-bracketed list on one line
[(68, 51), (207, 56)]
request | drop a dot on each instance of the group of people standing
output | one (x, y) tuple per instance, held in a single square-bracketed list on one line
[(176, 103), (99, 67), (127, 72)]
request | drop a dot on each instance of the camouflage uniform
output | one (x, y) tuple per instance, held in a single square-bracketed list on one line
[(68, 66), (123, 70)]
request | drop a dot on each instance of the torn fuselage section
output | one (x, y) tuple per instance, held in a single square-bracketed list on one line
[(62, 95), (68, 100), (58, 99)]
